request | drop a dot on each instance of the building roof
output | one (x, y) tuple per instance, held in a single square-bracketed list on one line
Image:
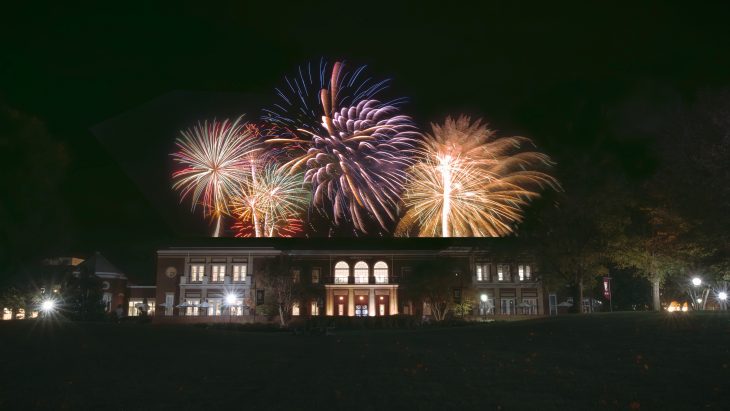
[(102, 268), (340, 245)]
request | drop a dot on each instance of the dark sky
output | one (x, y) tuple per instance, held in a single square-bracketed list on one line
[(579, 78)]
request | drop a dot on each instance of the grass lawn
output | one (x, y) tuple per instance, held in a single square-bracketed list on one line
[(606, 361)]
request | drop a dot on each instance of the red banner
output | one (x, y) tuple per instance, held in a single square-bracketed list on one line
[(607, 288)]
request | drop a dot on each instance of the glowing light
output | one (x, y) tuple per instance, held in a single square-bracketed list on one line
[(696, 281), (699, 300), (471, 183), (355, 156), (484, 298), (722, 295), (48, 306), (231, 299), (215, 156)]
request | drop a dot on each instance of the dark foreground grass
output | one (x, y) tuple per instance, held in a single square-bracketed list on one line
[(613, 361)]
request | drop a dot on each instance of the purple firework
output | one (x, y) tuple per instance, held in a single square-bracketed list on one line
[(356, 158)]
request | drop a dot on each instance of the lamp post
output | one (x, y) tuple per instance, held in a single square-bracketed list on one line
[(483, 297), (699, 295)]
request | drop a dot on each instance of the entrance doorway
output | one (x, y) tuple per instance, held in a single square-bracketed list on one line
[(383, 305), (341, 306), (361, 310)]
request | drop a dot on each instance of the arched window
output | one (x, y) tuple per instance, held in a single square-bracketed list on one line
[(380, 270), (361, 272), (342, 272)]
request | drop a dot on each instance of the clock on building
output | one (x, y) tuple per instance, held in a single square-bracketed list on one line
[(171, 272)]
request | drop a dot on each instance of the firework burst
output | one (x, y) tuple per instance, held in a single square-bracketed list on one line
[(356, 154), (269, 202), (471, 183), (214, 157)]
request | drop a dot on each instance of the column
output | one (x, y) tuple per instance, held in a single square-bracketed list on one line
[(372, 309), (350, 303), (518, 298), (393, 301), (329, 302)]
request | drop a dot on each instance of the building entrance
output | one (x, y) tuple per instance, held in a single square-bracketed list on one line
[(361, 310)]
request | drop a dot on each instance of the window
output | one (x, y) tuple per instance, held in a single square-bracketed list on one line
[(528, 274), (521, 272), (237, 308), (133, 308), (43, 290), (361, 272), (192, 308), (508, 306), (404, 273), (107, 300), (315, 275), (295, 275), (314, 308), (7, 314), (218, 272), (196, 273), (295, 309), (380, 270), (239, 273), (482, 272), (169, 303), (529, 306), (215, 306), (342, 272), (503, 272)]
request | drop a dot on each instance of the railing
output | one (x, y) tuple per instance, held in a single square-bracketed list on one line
[(360, 280)]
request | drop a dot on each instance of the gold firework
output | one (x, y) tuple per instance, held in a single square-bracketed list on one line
[(471, 183)]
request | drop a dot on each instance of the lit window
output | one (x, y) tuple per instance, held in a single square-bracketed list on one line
[(508, 306), (192, 306), (196, 273), (521, 272), (314, 308), (315, 275), (342, 272), (135, 307), (295, 309), (239, 273), (482, 272), (7, 314), (500, 272), (361, 272), (380, 270), (218, 273), (528, 274), (43, 290), (295, 276)]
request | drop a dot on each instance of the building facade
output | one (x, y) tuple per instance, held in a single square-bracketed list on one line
[(227, 278)]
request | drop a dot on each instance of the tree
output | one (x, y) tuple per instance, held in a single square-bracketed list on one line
[(438, 286), (280, 286), (18, 298)]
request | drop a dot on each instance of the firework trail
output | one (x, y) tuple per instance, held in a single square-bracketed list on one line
[(268, 203), (214, 157), (471, 183), (354, 148)]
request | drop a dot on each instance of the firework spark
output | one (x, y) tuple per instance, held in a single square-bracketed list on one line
[(215, 156), (355, 156), (471, 183), (268, 203)]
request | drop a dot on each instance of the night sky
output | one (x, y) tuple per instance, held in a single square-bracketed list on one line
[(590, 84)]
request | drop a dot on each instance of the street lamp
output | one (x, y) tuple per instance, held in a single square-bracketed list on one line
[(48, 306), (696, 281)]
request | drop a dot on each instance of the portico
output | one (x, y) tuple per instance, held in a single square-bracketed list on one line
[(361, 300)]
